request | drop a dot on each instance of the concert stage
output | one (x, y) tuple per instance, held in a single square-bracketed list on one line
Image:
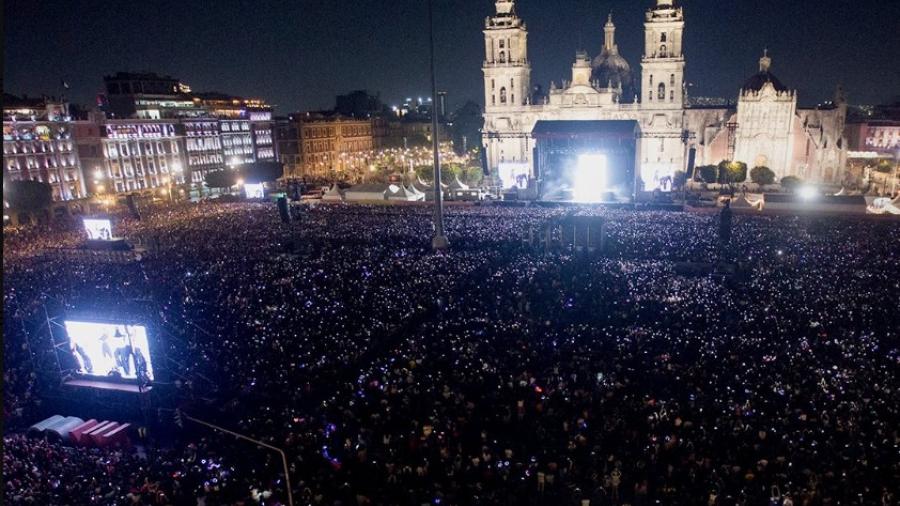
[(586, 161)]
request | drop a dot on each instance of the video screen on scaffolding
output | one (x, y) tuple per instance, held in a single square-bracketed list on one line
[(98, 229), (254, 191), (110, 350)]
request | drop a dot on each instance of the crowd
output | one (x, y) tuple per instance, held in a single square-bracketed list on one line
[(494, 373)]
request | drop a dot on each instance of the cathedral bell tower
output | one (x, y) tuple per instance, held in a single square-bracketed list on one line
[(662, 67), (507, 73)]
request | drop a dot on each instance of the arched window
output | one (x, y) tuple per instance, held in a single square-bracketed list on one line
[(650, 95), (671, 95), (651, 79), (662, 91), (492, 84), (502, 43), (662, 51), (662, 38), (502, 57), (493, 99), (503, 95)]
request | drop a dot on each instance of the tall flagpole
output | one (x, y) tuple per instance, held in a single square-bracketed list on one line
[(439, 241)]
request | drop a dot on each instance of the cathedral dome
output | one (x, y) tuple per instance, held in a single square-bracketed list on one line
[(758, 80), (609, 69)]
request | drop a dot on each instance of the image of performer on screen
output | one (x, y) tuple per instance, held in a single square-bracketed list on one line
[(81, 357)]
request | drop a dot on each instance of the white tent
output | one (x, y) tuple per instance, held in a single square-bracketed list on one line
[(366, 191), (333, 194), (401, 192)]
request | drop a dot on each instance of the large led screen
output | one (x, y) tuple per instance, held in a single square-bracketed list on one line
[(254, 190), (110, 349), (98, 228)]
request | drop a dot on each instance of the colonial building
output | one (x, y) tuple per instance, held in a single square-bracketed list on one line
[(766, 128), (333, 146), (38, 144)]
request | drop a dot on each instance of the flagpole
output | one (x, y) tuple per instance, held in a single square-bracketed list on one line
[(439, 241)]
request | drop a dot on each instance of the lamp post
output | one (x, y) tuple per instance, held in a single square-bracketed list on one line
[(439, 241), (284, 463)]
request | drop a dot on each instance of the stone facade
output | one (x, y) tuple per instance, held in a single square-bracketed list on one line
[(766, 127)]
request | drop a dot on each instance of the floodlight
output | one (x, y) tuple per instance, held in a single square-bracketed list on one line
[(807, 192), (590, 178)]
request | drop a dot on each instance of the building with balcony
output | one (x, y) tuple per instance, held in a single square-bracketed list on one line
[(336, 147), (38, 145)]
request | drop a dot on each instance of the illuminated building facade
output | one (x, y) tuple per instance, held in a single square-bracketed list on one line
[(203, 147), (767, 126), (141, 155), (38, 144), (149, 96), (287, 146), (335, 146)]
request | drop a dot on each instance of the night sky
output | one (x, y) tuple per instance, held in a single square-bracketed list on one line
[(299, 54)]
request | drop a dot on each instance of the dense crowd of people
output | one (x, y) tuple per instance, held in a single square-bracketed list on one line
[(495, 373)]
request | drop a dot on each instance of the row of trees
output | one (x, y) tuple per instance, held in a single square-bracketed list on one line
[(471, 176), (731, 172)]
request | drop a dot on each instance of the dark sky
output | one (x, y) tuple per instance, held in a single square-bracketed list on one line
[(298, 54)]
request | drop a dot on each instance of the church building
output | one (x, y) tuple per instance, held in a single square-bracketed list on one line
[(643, 126)]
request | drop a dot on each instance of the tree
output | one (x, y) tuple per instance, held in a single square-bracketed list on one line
[(220, 178), (762, 175), (790, 183), (262, 172), (472, 176), (885, 167), (708, 173), (27, 195), (732, 172)]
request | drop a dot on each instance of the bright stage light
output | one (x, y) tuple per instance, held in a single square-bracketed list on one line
[(590, 178), (808, 192)]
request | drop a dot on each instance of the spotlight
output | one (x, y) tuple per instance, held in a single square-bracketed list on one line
[(590, 178), (807, 192)]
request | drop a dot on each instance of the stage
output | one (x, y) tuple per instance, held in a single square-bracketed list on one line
[(586, 161)]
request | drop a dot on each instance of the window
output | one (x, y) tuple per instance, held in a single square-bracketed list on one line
[(671, 95), (502, 57), (503, 95), (651, 79), (650, 94), (672, 80), (502, 43), (492, 84), (662, 91), (662, 51), (493, 99), (662, 38)]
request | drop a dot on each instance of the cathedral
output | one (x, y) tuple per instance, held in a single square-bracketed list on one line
[(526, 130)]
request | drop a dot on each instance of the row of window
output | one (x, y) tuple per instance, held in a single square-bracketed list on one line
[(125, 149), (203, 144), (242, 140), (48, 162), (235, 127), (661, 94), (194, 160), (12, 148)]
